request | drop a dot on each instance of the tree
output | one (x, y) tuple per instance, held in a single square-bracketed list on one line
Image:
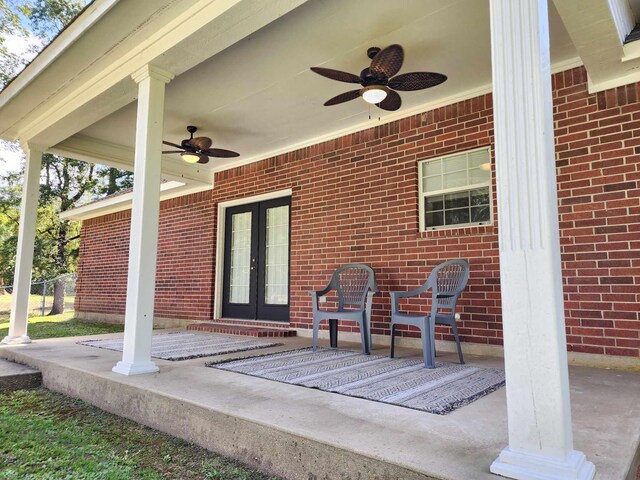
[(67, 182), (10, 61), (48, 17)]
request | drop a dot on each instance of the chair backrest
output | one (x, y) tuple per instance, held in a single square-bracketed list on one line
[(447, 281), (352, 282)]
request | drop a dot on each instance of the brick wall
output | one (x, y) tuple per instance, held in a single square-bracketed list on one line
[(355, 200), (184, 282)]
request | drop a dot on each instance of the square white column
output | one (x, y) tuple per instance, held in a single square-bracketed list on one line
[(145, 213), (538, 404), (24, 254)]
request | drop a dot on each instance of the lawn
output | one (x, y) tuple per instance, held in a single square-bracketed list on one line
[(49, 436), (35, 304), (63, 325)]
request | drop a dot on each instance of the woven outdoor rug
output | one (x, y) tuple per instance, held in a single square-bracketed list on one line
[(183, 346), (404, 382)]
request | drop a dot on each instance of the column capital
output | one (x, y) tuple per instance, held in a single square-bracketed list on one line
[(28, 147), (150, 71)]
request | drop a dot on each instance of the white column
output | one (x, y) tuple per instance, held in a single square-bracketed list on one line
[(538, 404), (26, 240), (145, 212)]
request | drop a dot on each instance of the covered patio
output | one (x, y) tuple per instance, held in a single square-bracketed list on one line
[(128, 75), (301, 433)]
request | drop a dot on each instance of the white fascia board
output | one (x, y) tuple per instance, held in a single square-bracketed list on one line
[(595, 87), (154, 49), (631, 51), (123, 202), (93, 150), (94, 12)]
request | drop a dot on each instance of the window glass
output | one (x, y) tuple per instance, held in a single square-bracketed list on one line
[(456, 190)]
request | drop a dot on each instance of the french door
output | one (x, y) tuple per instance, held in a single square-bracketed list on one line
[(256, 261)]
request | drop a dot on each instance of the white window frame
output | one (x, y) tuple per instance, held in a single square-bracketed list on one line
[(422, 194)]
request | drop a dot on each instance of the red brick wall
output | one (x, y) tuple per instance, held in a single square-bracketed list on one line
[(184, 281), (598, 160), (355, 200)]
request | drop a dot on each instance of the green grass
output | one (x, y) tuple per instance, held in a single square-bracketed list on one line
[(35, 304), (63, 325), (49, 436)]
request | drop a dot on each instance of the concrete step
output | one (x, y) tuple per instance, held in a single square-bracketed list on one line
[(238, 329), (14, 376)]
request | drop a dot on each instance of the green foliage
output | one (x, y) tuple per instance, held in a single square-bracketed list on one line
[(64, 325), (48, 17), (46, 435), (10, 62), (66, 183)]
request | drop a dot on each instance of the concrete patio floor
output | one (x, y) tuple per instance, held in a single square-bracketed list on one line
[(302, 433)]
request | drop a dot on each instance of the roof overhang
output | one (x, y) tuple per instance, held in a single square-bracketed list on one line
[(242, 71)]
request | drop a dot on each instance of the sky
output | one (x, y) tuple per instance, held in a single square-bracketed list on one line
[(10, 159)]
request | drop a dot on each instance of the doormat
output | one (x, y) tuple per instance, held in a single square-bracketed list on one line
[(398, 381), (183, 346)]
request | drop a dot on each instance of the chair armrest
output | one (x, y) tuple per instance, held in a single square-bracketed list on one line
[(369, 303), (396, 296), (320, 293), (315, 296), (410, 293)]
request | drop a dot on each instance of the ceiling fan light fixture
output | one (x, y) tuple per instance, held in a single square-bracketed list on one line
[(190, 157), (374, 93)]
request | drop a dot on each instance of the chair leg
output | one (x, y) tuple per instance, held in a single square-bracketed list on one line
[(455, 334), (333, 332), (316, 326), (428, 343), (364, 334), (393, 337), (432, 340)]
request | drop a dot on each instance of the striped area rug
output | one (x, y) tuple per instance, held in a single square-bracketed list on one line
[(183, 346), (404, 382)]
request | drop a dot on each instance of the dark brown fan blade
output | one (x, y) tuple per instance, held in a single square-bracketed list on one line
[(343, 97), (388, 61), (336, 75), (172, 144), (220, 153), (392, 102), (416, 81), (173, 151), (201, 143), (203, 159)]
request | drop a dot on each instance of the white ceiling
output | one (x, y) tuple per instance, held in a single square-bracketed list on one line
[(259, 97)]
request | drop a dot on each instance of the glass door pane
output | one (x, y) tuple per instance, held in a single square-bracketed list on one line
[(239, 283), (276, 291)]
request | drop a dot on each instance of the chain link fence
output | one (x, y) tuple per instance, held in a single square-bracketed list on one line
[(41, 296)]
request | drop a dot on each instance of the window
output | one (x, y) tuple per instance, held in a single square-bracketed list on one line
[(455, 190)]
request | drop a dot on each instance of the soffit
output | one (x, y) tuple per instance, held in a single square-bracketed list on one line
[(243, 77), (259, 97)]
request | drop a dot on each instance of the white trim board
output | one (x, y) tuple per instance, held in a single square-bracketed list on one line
[(219, 255), (122, 202)]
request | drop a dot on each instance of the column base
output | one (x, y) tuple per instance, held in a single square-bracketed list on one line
[(19, 340), (128, 368), (523, 466)]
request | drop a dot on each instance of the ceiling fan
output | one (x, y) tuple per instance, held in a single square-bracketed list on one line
[(197, 150), (378, 81)]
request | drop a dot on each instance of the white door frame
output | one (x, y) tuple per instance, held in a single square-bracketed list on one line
[(221, 221)]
